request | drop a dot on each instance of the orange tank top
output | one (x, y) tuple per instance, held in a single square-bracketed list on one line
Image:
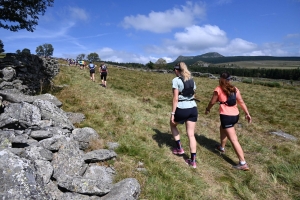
[(227, 110)]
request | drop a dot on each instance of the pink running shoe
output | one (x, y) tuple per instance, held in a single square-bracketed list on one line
[(178, 151), (241, 167), (218, 148), (191, 163)]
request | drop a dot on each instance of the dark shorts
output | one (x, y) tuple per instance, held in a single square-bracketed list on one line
[(103, 76), (188, 114), (228, 121), (92, 71)]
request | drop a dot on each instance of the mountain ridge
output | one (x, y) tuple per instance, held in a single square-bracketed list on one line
[(214, 57)]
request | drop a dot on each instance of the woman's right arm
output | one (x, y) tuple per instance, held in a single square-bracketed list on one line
[(174, 103)]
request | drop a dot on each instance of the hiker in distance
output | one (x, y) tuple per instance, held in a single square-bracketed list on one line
[(184, 110), (92, 71), (103, 73), (229, 96)]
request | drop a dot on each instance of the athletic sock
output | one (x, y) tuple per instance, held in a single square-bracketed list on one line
[(178, 144), (242, 162), (193, 157)]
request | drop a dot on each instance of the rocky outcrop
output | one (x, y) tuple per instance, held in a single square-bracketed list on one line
[(26, 73), (42, 154)]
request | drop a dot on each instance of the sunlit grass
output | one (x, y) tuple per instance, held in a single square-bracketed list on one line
[(134, 111)]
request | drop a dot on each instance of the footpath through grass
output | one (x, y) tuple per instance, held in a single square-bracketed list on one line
[(134, 111)]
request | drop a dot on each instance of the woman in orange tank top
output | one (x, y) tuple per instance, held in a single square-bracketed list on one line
[(229, 116)]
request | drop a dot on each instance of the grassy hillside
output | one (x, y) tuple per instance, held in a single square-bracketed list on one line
[(134, 111)]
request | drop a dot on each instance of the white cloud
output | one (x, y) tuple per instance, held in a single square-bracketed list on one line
[(108, 54), (295, 35), (222, 2), (161, 22), (78, 13), (194, 39)]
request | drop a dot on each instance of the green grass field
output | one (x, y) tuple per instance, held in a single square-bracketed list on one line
[(135, 109)]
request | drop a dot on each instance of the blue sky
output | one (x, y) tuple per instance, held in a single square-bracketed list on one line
[(146, 30)]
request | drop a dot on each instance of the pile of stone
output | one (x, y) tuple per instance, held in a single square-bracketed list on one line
[(42, 154)]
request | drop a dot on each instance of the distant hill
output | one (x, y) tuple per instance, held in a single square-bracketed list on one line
[(199, 57), (215, 58)]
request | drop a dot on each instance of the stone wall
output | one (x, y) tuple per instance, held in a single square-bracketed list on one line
[(26, 73), (42, 154)]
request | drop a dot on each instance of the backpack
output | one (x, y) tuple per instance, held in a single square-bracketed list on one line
[(231, 100), (188, 89), (103, 67), (92, 66)]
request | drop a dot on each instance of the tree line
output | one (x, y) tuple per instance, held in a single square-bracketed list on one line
[(287, 74)]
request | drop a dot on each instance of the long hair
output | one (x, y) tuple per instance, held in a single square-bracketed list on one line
[(225, 85), (184, 72)]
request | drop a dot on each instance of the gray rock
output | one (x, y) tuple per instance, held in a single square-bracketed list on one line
[(54, 143), (53, 191), (5, 139), (15, 96), (76, 196), (99, 155), (101, 173), (20, 115), (44, 169), (8, 73), (84, 136), (37, 153), (128, 189), (20, 139), (68, 161), (41, 134), (18, 179), (49, 111), (82, 185)]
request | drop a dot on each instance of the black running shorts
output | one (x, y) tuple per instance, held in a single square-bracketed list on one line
[(103, 76), (188, 114), (228, 121)]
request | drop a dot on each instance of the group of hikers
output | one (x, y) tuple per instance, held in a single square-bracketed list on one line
[(102, 70), (92, 67), (184, 110)]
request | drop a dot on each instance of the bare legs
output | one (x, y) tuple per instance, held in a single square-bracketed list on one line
[(92, 76), (190, 129), (231, 135)]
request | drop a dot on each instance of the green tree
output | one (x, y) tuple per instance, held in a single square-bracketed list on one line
[(48, 50), (26, 51), (150, 65), (93, 57), (45, 50), (18, 51), (80, 57), (40, 51), (16, 15), (1, 46)]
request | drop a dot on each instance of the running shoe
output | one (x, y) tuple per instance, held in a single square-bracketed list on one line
[(241, 167), (178, 151), (191, 163), (218, 148)]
